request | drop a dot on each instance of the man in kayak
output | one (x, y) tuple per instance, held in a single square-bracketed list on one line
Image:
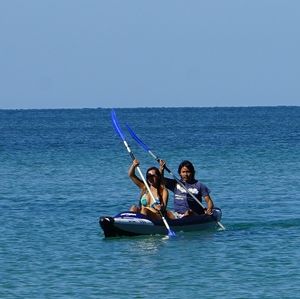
[(184, 203)]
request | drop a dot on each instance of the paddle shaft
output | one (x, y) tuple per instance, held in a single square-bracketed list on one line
[(118, 130)]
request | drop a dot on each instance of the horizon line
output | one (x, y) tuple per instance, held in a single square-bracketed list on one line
[(153, 107)]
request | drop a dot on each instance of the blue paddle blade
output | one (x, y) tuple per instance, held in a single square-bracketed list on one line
[(116, 124), (171, 233), (137, 139)]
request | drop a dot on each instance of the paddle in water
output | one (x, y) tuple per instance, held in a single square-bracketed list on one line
[(120, 133)]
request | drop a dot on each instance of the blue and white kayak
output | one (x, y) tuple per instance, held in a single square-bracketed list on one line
[(135, 224)]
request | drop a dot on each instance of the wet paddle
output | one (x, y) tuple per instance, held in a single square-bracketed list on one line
[(120, 133), (147, 149)]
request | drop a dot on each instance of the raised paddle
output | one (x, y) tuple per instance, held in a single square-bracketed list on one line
[(147, 149), (118, 130)]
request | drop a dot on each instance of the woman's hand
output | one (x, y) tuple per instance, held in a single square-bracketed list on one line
[(157, 206), (162, 165), (135, 163)]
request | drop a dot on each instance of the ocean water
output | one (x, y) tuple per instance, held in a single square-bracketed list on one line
[(63, 169)]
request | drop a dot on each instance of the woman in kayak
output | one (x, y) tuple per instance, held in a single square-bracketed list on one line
[(146, 205), (184, 203)]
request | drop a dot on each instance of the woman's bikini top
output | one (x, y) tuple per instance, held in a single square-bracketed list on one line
[(144, 201)]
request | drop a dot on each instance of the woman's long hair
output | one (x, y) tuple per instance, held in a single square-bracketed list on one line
[(160, 185)]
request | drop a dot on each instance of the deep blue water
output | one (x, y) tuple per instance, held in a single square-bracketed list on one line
[(62, 169)]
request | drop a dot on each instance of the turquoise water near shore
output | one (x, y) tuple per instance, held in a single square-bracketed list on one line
[(62, 169)]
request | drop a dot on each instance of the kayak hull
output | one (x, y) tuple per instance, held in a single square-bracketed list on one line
[(135, 224)]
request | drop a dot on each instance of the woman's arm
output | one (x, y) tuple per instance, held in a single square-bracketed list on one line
[(169, 183), (132, 175), (165, 198), (162, 165)]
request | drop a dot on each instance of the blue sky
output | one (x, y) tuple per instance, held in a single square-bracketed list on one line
[(136, 53)]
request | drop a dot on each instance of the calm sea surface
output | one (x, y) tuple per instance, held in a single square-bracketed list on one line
[(62, 169)]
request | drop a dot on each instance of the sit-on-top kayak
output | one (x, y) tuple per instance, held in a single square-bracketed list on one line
[(134, 224)]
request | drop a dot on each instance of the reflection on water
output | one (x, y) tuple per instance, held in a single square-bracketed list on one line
[(149, 244)]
